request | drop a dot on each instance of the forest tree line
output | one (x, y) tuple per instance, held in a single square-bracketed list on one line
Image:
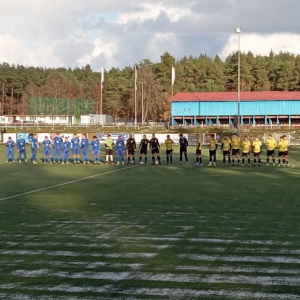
[(275, 72)]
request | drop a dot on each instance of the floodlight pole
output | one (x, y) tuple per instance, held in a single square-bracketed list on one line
[(238, 30), (142, 83)]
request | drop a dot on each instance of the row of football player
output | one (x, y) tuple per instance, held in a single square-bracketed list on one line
[(231, 150), (63, 148)]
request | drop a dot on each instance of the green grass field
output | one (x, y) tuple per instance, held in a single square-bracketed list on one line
[(149, 232)]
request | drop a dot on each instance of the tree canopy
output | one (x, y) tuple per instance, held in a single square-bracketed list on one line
[(275, 72)]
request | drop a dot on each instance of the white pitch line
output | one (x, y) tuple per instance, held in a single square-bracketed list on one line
[(291, 166), (66, 183)]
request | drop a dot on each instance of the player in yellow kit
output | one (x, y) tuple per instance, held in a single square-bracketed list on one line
[(287, 145), (169, 149), (246, 146), (213, 145), (226, 147), (235, 143), (271, 145), (198, 152), (256, 149), (283, 146)]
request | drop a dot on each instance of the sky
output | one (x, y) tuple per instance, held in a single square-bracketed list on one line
[(118, 33)]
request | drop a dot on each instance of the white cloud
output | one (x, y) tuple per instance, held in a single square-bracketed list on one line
[(152, 12), (108, 50), (16, 51), (116, 33), (162, 42), (263, 43)]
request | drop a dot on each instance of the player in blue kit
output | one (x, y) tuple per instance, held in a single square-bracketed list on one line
[(34, 148), (66, 151), (85, 149), (75, 145), (120, 150), (10, 144), (57, 145), (95, 147), (21, 147), (47, 150)]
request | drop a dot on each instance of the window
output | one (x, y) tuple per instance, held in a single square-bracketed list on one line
[(23, 118), (32, 118), (63, 118), (53, 118), (2, 119)]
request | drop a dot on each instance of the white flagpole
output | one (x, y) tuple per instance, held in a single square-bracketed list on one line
[(173, 78), (135, 88), (102, 80)]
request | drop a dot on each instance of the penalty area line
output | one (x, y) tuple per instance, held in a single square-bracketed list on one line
[(66, 183)]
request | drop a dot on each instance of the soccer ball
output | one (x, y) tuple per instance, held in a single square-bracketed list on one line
[(156, 162), (141, 163)]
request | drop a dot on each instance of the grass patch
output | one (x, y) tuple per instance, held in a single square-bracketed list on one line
[(150, 232)]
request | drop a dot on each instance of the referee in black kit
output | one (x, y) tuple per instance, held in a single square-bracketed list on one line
[(183, 143)]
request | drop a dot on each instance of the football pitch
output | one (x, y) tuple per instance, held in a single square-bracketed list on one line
[(150, 232)]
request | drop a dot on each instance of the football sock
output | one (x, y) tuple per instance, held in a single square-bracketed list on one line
[(233, 161), (268, 160), (107, 157), (223, 160), (286, 162), (167, 159), (243, 160), (158, 158), (248, 160), (255, 160), (200, 158), (111, 158), (259, 160), (238, 161), (279, 161), (145, 159), (171, 159), (229, 160), (140, 158), (153, 158)]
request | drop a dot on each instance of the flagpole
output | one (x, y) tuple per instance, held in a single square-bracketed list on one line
[(172, 81), (101, 95), (135, 88), (101, 99)]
